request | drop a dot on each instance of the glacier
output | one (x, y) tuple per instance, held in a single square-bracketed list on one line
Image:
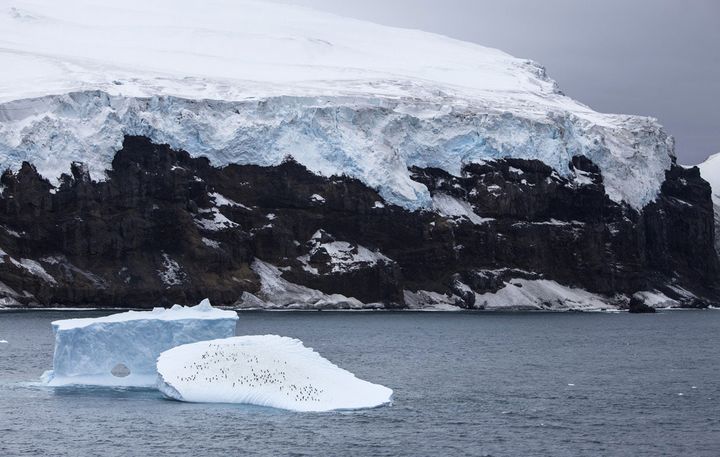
[(122, 349), (253, 82), (266, 370), (710, 172)]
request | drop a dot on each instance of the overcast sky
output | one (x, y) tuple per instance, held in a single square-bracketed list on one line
[(658, 58)]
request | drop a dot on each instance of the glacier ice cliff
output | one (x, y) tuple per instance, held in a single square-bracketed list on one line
[(373, 139), (264, 370), (122, 349), (252, 82)]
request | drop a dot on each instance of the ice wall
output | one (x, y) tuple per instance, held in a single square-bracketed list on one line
[(373, 139), (122, 349)]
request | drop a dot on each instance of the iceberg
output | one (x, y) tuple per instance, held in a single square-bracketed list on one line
[(122, 349), (267, 370)]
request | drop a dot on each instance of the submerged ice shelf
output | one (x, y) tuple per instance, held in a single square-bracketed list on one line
[(122, 349), (268, 370)]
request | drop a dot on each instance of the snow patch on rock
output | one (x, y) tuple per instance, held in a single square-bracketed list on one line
[(213, 220), (11, 232), (68, 269), (211, 243), (342, 256), (278, 293), (221, 200), (9, 297), (449, 206), (656, 299), (541, 294), (34, 268), (171, 273), (583, 178), (424, 300)]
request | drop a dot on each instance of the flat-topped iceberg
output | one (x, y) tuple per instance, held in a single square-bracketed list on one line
[(122, 349), (268, 370)]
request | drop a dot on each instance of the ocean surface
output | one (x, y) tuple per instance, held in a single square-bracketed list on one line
[(480, 384)]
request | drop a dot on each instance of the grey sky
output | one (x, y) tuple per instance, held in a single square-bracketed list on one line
[(658, 58)]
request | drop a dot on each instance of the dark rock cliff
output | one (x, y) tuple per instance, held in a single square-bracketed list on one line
[(167, 228)]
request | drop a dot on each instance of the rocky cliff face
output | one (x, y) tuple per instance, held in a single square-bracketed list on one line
[(710, 171), (167, 228)]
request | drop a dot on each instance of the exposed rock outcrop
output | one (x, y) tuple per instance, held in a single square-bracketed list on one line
[(167, 228), (637, 306)]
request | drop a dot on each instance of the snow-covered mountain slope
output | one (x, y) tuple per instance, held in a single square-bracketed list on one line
[(710, 171), (253, 82)]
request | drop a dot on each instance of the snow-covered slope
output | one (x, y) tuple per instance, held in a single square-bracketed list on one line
[(235, 49), (252, 82), (266, 371), (710, 171), (122, 349)]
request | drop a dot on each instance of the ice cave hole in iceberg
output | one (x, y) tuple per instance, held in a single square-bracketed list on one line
[(120, 371)]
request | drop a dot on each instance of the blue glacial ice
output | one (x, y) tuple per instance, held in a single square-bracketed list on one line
[(122, 349)]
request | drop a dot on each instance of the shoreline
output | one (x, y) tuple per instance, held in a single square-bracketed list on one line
[(379, 311)]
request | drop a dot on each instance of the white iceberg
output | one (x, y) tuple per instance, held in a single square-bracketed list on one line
[(268, 370), (122, 349)]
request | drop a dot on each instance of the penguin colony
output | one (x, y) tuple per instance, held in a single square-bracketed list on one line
[(221, 364)]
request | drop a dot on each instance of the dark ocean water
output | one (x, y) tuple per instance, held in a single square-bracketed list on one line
[(465, 384)]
